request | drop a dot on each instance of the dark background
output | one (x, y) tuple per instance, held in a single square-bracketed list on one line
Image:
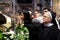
[(24, 1)]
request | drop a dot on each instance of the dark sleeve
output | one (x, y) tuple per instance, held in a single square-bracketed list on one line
[(34, 25)]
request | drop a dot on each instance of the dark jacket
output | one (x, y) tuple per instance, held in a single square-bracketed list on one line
[(33, 31)]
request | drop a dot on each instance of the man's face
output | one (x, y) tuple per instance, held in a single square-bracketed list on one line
[(37, 15), (22, 16)]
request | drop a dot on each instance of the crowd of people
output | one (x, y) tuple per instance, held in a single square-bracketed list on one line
[(40, 25)]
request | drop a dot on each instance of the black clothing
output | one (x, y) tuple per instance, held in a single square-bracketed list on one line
[(48, 33), (33, 31), (53, 17), (38, 31), (58, 38)]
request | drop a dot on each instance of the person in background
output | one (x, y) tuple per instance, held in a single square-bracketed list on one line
[(21, 30), (37, 17), (28, 24), (20, 18)]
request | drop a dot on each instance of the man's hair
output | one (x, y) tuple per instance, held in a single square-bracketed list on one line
[(27, 17), (37, 11), (45, 8)]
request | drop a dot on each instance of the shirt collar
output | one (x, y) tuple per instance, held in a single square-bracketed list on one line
[(48, 25)]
